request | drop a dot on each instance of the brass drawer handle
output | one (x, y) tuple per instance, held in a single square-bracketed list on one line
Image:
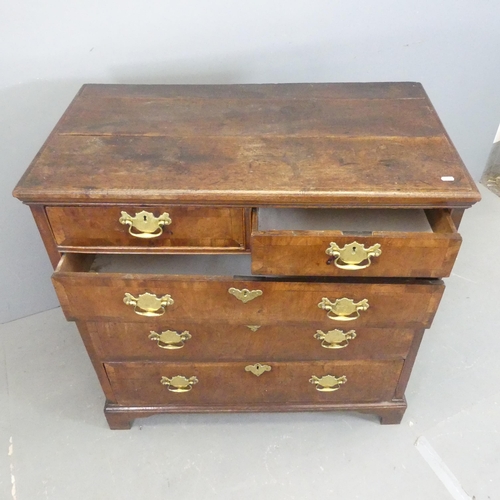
[(335, 339), (343, 309), (148, 304), (351, 256), (257, 369), (328, 383), (170, 339), (179, 383), (245, 295), (147, 225)]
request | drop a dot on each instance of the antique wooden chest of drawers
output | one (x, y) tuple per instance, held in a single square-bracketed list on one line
[(250, 247)]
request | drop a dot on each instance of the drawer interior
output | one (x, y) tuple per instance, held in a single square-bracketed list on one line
[(211, 265), (353, 221)]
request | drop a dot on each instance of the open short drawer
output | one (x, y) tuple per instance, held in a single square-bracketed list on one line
[(353, 242)]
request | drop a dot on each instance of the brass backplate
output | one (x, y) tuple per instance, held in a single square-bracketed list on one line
[(179, 383), (170, 339), (258, 369), (328, 383), (245, 295), (335, 339), (353, 254), (146, 224), (343, 309), (148, 304)]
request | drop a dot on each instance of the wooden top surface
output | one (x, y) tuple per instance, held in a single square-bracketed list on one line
[(368, 144)]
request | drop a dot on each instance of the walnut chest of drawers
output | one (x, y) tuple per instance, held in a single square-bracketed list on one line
[(250, 247)]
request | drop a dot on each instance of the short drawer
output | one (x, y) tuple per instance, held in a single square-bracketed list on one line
[(137, 288), (155, 228), (181, 341), (357, 242), (191, 384)]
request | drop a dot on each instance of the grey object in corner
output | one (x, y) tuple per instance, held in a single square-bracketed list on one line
[(491, 175)]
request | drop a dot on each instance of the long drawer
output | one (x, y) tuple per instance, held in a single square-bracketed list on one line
[(378, 243), (90, 292), (188, 384), (164, 340), (159, 229)]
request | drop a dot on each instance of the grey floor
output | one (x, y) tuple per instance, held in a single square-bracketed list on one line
[(55, 444)]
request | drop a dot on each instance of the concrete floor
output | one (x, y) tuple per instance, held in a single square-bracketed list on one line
[(55, 443)]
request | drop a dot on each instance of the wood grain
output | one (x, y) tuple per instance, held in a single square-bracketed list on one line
[(303, 145), (302, 253), (122, 416), (298, 116), (46, 234), (100, 296), (88, 228), (226, 383), (118, 341)]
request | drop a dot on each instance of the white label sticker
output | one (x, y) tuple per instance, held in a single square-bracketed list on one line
[(447, 178), (497, 137)]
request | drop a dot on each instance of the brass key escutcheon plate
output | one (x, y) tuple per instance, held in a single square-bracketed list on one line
[(257, 369), (245, 295), (254, 328)]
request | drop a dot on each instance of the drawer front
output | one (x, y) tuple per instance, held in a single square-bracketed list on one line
[(178, 341), (99, 228), (225, 383), (384, 254), (123, 297)]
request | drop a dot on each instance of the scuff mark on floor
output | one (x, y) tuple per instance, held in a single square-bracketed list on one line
[(435, 462), (463, 277), (12, 477)]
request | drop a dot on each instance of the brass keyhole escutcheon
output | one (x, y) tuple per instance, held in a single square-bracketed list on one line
[(245, 295), (257, 369), (254, 328)]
